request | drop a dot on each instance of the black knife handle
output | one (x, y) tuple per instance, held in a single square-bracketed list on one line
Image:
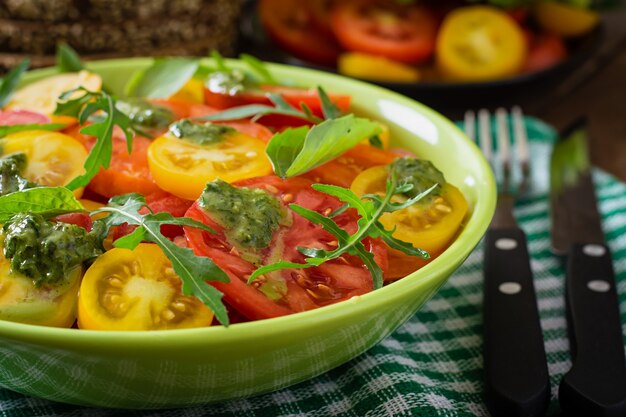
[(596, 383), (516, 371)]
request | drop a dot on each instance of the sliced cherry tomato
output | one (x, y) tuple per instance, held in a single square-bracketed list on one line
[(404, 33), (291, 26), (23, 302), (343, 170), (428, 225), (288, 291), (319, 14), (479, 43), (546, 50), (53, 158), (183, 168), (137, 290), (375, 67), (22, 117), (566, 20)]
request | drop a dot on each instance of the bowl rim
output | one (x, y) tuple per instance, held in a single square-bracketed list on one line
[(445, 263)]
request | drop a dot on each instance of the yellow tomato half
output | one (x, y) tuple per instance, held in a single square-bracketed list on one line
[(479, 43), (377, 68), (52, 158), (22, 302), (41, 96), (137, 290), (565, 20), (191, 92), (183, 168), (429, 225)]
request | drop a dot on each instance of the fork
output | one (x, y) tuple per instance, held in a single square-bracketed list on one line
[(516, 372)]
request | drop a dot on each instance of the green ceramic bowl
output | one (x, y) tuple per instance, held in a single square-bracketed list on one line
[(158, 369)]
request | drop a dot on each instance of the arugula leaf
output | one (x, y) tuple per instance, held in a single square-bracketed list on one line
[(7, 130), (193, 270), (294, 155), (259, 68), (67, 59), (47, 201), (164, 78), (220, 64), (85, 106), (370, 208), (11, 80), (329, 109)]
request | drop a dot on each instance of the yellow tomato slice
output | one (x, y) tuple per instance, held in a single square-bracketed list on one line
[(375, 67), (137, 290), (22, 302), (52, 158), (430, 225), (41, 96), (479, 43), (565, 20), (191, 92), (183, 168)]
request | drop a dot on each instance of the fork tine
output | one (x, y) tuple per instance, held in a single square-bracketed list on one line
[(470, 124), (484, 134), (521, 139), (502, 135)]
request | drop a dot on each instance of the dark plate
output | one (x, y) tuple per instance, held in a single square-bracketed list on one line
[(448, 95)]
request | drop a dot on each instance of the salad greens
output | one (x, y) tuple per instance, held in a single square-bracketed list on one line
[(67, 59), (45, 201), (11, 80), (370, 207), (163, 79)]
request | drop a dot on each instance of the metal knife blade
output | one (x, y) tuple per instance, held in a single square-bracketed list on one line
[(596, 383), (575, 217)]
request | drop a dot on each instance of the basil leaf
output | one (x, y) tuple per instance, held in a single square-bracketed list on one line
[(67, 59), (47, 201), (284, 149), (323, 143), (220, 64), (11, 81), (8, 129), (164, 78)]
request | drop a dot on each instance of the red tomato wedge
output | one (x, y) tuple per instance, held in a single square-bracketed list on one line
[(545, 50), (290, 25), (291, 290), (79, 219), (405, 33), (22, 117)]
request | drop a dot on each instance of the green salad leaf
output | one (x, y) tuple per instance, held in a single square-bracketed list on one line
[(259, 68), (296, 151), (370, 208), (8, 129), (193, 270), (163, 79), (67, 59), (46, 201), (11, 81), (85, 106)]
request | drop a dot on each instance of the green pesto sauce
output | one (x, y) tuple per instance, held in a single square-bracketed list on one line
[(421, 173), (11, 167), (46, 251), (200, 133), (229, 82), (249, 216), (144, 113)]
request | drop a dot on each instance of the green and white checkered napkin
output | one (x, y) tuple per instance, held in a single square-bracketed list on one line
[(432, 365)]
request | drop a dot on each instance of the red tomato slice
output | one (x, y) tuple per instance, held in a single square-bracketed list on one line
[(159, 202), (22, 117), (290, 25), (293, 95), (546, 50), (79, 219), (319, 12), (300, 289), (404, 33)]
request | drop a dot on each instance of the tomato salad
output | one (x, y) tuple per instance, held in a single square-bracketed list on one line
[(223, 197)]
